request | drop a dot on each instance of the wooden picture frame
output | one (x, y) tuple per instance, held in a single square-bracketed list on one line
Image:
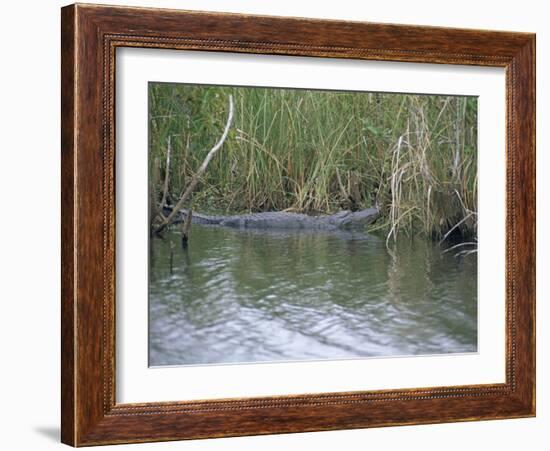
[(90, 36)]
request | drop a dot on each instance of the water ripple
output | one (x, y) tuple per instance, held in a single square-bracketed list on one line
[(241, 296)]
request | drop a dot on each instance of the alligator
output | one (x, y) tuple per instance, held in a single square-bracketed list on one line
[(285, 220)]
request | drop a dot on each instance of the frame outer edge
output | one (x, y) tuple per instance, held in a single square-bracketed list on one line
[(86, 419), (534, 224), (68, 229), (525, 62)]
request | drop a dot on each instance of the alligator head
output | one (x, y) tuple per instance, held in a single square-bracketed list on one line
[(355, 219)]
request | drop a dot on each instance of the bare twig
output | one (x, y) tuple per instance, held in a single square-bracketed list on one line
[(455, 226), (167, 175), (466, 253), (467, 243), (199, 172)]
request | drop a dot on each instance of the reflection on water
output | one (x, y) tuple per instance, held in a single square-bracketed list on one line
[(249, 296)]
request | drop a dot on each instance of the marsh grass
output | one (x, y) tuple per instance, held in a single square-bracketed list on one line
[(415, 156)]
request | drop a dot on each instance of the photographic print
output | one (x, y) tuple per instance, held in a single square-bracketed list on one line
[(295, 225)]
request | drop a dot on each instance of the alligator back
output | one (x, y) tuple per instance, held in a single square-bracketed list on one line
[(274, 220), (286, 220)]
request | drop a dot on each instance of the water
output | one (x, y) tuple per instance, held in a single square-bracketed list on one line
[(256, 296)]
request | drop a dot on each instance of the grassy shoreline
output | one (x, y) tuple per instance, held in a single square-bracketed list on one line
[(414, 156)]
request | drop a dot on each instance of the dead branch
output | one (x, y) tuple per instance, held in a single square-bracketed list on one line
[(167, 175), (198, 174)]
